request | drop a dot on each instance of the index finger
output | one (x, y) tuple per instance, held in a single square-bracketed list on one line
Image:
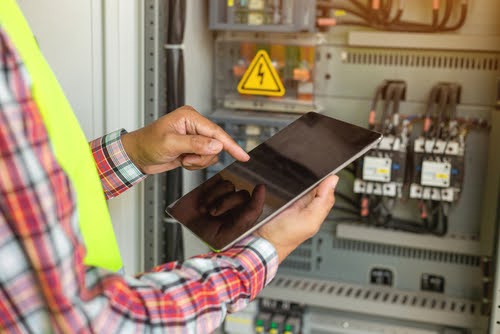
[(208, 128)]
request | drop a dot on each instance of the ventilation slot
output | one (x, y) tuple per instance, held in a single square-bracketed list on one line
[(296, 265), (413, 253), (361, 293), (302, 252), (481, 63)]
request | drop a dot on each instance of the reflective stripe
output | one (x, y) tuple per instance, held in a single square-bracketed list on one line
[(68, 141)]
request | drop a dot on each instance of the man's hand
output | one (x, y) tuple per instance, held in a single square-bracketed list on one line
[(300, 221), (180, 138)]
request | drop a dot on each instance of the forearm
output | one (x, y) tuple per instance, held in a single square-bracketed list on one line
[(186, 297)]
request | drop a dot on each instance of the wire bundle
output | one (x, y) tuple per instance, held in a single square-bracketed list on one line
[(381, 15)]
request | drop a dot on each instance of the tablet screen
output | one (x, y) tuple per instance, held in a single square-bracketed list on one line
[(244, 195)]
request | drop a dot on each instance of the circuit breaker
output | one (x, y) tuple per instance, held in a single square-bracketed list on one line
[(263, 15), (403, 242), (382, 170), (439, 153)]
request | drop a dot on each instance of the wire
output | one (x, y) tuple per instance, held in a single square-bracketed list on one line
[(399, 13), (322, 4), (396, 100), (377, 16), (347, 199), (461, 21), (431, 104), (373, 110), (447, 13), (346, 210), (439, 226), (454, 95), (389, 95), (443, 102), (435, 13)]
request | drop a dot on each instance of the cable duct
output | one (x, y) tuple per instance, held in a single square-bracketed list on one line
[(175, 12)]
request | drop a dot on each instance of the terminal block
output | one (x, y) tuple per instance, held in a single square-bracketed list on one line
[(263, 15)]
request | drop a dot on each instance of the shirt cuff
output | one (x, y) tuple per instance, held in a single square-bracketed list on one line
[(259, 260), (116, 171), (265, 252)]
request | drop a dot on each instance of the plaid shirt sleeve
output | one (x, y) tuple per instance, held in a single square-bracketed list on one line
[(115, 169), (44, 285)]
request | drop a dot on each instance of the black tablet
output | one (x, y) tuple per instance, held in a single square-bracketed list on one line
[(243, 196)]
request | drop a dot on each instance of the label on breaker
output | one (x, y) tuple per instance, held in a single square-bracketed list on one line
[(377, 169), (256, 4), (435, 174)]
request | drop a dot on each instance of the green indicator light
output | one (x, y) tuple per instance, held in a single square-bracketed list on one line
[(274, 325), (288, 328), (259, 322)]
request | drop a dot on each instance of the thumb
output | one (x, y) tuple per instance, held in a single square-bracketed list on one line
[(192, 144), (324, 199)]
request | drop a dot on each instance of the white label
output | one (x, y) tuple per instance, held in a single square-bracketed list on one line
[(435, 174), (256, 4), (377, 169)]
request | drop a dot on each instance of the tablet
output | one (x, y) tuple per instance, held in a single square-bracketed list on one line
[(245, 195)]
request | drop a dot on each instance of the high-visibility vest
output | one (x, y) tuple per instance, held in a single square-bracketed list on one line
[(68, 142)]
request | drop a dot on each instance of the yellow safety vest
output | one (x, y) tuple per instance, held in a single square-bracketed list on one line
[(68, 142)]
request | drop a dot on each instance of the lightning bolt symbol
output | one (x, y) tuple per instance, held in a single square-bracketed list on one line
[(261, 74)]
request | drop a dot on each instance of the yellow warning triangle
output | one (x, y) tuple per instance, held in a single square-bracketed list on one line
[(261, 78)]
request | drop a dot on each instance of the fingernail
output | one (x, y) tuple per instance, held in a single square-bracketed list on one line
[(335, 181), (215, 146)]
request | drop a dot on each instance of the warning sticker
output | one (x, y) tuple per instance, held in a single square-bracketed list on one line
[(261, 78)]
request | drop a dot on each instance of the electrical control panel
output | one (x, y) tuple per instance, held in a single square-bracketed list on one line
[(409, 245)]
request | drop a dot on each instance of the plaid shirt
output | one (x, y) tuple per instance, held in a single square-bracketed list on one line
[(44, 285)]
